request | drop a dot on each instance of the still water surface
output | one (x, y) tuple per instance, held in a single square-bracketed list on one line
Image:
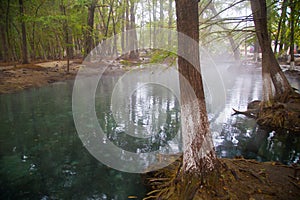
[(42, 157)]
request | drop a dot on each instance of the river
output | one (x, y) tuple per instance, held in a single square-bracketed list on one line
[(42, 156)]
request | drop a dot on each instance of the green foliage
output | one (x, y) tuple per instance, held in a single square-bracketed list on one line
[(159, 56)]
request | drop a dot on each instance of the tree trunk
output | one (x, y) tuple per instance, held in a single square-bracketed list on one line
[(67, 40), (4, 45), (292, 40), (122, 31), (170, 15), (271, 71), (161, 21), (90, 24), (133, 54), (154, 3), (198, 156), (256, 50), (115, 49), (280, 24), (127, 25), (150, 25), (24, 39)]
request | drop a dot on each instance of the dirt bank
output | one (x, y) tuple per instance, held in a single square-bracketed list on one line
[(14, 78)]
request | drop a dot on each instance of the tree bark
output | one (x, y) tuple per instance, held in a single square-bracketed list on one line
[(292, 40), (24, 39), (133, 54), (280, 24), (198, 156), (150, 25), (122, 30), (115, 49), (154, 4), (4, 45), (127, 25), (67, 37), (90, 25), (271, 71), (170, 21)]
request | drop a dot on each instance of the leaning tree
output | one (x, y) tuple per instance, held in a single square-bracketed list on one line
[(271, 72), (280, 105)]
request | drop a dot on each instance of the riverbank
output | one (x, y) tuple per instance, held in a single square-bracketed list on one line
[(14, 78), (238, 179)]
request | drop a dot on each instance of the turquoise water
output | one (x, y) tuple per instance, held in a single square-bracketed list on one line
[(42, 157)]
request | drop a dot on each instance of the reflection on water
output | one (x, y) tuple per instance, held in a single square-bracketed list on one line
[(240, 136), (147, 121), (41, 156)]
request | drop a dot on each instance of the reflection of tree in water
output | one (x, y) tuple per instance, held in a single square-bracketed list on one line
[(42, 156), (260, 143), (152, 109)]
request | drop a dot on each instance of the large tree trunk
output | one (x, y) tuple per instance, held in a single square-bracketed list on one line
[(271, 71), (198, 156), (24, 39)]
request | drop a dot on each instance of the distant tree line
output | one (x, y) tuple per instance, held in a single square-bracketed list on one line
[(60, 29)]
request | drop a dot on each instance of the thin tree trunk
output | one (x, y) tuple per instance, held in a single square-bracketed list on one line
[(133, 37), (4, 45), (280, 24), (10, 52), (122, 31), (161, 21), (198, 156), (3, 26), (150, 24), (170, 15), (24, 39), (90, 24), (127, 26), (66, 37), (115, 49), (292, 40), (154, 3)]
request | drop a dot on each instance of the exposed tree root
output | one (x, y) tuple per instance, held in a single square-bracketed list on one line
[(284, 112), (248, 113), (236, 179)]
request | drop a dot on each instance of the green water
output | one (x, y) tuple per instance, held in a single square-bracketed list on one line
[(42, 157)]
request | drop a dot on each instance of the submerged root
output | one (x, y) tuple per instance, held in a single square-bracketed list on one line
[(284, 112)]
